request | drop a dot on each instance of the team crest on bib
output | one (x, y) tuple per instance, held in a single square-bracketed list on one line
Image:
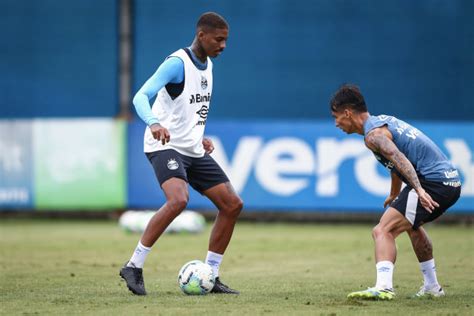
[(172, 164), (203, 82)]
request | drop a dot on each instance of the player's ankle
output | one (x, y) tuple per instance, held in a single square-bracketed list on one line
[(431, 287)]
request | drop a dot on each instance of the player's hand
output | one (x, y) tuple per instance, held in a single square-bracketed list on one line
[(160, 133), (389, 200), (208, 145), (426, 200)]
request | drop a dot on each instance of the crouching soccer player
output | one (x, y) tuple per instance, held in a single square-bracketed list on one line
[(432, 186)]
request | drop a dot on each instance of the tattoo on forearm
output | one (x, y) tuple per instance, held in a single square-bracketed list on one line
[(405, 167), (387, 148)]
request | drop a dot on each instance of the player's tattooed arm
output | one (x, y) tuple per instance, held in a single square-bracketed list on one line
[(378, 140)]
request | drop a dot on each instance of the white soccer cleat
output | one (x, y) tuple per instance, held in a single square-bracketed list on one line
[(436, 291)]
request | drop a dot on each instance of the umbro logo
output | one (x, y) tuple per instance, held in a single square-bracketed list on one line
[(203, 111)]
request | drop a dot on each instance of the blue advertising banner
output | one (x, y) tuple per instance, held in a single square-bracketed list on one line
[(16, 166), (304, 166)]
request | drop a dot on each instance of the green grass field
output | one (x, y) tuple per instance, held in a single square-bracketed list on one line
[(71, 267)]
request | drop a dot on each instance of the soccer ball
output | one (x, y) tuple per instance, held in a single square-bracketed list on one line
[(196, 278)]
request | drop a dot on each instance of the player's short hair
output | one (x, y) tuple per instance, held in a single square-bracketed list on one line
[(211, 20), (348, 96)]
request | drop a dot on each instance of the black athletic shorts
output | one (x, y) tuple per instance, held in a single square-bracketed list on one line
[(201, 173), (407, 201)]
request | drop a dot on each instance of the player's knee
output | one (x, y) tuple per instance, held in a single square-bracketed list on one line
[(239, 205), (177, 204), (378, 231), (234, 207), (374, 232)]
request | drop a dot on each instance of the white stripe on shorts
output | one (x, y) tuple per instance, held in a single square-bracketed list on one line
[(412, 202)]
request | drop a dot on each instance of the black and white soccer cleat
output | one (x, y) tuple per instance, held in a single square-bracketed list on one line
[(134, 278), (221, 288)]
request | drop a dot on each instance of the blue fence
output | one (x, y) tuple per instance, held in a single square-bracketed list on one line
[(58, 58), (284, 59), (305, 166)]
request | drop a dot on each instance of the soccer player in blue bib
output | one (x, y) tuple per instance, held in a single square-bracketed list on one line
[(432, 186), (174, 144)]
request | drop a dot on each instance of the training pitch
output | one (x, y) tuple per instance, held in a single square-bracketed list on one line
[(71, 267)]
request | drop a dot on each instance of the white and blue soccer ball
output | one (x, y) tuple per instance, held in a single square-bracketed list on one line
[(196, 278)]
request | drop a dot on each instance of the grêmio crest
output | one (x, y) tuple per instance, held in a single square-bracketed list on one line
[(203, 82)]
